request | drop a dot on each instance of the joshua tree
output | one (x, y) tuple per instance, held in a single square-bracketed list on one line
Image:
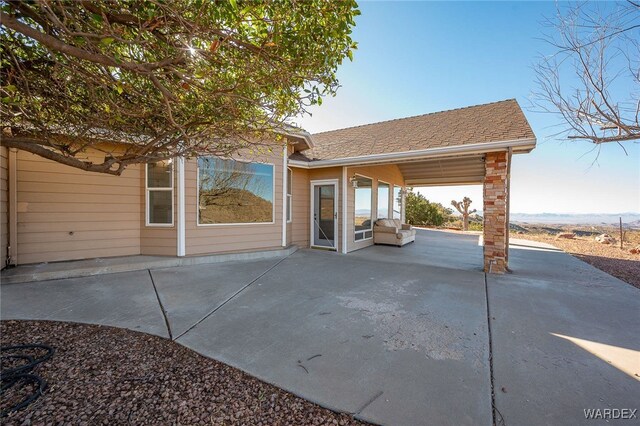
[(463, 208)]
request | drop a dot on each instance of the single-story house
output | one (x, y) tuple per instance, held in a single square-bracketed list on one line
[(322, 191)]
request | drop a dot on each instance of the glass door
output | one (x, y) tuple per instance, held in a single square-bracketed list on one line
[(324, 215)]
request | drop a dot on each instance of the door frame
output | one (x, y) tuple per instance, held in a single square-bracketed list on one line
[(336, 216)]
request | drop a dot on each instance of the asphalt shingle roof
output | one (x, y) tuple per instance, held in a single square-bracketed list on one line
[(493, 122)]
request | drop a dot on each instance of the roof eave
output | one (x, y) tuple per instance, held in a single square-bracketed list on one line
[(519, 146)]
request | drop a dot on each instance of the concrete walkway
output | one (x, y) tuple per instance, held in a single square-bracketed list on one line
[(393, 335)]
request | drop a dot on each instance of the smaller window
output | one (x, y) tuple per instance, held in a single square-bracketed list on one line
[(397, 202), (160, 193), (289, 195), (383, 200), (363, 208)]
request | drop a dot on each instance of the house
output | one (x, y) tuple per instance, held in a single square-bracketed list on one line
[(323, 191)]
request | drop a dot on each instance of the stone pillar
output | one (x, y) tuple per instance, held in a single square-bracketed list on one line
[(495, 212)]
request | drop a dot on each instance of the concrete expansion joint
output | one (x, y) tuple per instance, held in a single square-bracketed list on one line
[(233, 296), (368, 403), (497, 418)]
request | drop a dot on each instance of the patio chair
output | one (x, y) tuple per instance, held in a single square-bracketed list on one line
[(393, 232)]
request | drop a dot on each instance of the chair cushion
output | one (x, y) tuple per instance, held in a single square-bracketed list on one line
[(386, 222)]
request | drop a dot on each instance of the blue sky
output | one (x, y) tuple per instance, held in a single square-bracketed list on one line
[(420, 57)]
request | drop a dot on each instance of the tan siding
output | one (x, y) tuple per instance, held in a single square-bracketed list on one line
[(66, 213), (204, 239), (4, 205), (389, 174), (157, 240), (330, 173), (299, 228)]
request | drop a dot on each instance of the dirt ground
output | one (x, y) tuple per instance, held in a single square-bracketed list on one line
[(608, 257), (106, 376)]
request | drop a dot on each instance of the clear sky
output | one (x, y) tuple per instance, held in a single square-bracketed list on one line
[(420, 57)]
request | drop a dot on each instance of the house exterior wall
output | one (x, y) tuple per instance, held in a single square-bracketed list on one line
[(387, 173), (298, 229), (4, 204), (64, 213), (221, 238)]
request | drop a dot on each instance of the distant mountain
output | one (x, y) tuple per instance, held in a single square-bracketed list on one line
[(628, 219)]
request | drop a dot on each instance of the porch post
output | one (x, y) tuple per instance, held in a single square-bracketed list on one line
[(181, 225), (12, 170), (495, 210)]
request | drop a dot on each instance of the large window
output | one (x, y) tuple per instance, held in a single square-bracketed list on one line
[(363, 207), (160, 194), (289, 194), (397, 202), (235, 192), (383, 200)]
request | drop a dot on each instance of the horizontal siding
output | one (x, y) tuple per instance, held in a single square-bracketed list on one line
[(229, 238), (4, 204), (66, 213), (81, 254), (299, 227)]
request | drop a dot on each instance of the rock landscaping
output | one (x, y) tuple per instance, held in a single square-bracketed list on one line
[(105, 376)]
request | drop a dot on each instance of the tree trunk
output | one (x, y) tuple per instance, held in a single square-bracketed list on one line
[(465, 222)]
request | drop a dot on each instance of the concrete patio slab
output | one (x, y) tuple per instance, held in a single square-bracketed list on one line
[(393, 343), (432, 247), (189, 293), (565, 339), (384, 332), (121, 300)]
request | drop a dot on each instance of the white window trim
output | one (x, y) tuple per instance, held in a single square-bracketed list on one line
[(389, 197), (289, 194), (146, 192), (273, 185), (363, 231)]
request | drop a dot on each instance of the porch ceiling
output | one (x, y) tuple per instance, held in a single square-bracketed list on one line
[(468, 170)]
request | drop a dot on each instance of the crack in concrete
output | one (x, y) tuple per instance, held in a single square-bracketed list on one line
[(164, 312), (232, 297)]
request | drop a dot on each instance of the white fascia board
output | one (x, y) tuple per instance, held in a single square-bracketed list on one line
[(475, 148)]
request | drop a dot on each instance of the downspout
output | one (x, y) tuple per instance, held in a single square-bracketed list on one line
[(344, 210), (12, 257), (284, 195), (507, 217), (181, 226)]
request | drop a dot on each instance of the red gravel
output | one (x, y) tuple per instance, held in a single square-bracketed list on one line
[(105, 375)]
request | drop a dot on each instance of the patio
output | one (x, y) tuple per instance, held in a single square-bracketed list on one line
[(393, 335)]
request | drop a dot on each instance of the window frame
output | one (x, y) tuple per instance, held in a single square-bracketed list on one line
[(289, 194), (389, 194), (273, 188), (148, 223), (363, 231), (393, 201)]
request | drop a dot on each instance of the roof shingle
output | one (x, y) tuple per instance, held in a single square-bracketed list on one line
[(493, 122)]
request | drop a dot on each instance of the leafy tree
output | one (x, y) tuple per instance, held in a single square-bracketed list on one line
[(592, 78), (167, 78), (419, 211), (463, 209)]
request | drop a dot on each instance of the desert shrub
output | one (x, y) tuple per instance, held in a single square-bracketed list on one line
[(420, 211)]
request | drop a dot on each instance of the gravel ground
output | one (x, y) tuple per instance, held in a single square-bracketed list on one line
[(609, 258), (105, 375)]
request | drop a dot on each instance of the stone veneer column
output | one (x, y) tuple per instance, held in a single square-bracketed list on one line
[(495, 212)]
